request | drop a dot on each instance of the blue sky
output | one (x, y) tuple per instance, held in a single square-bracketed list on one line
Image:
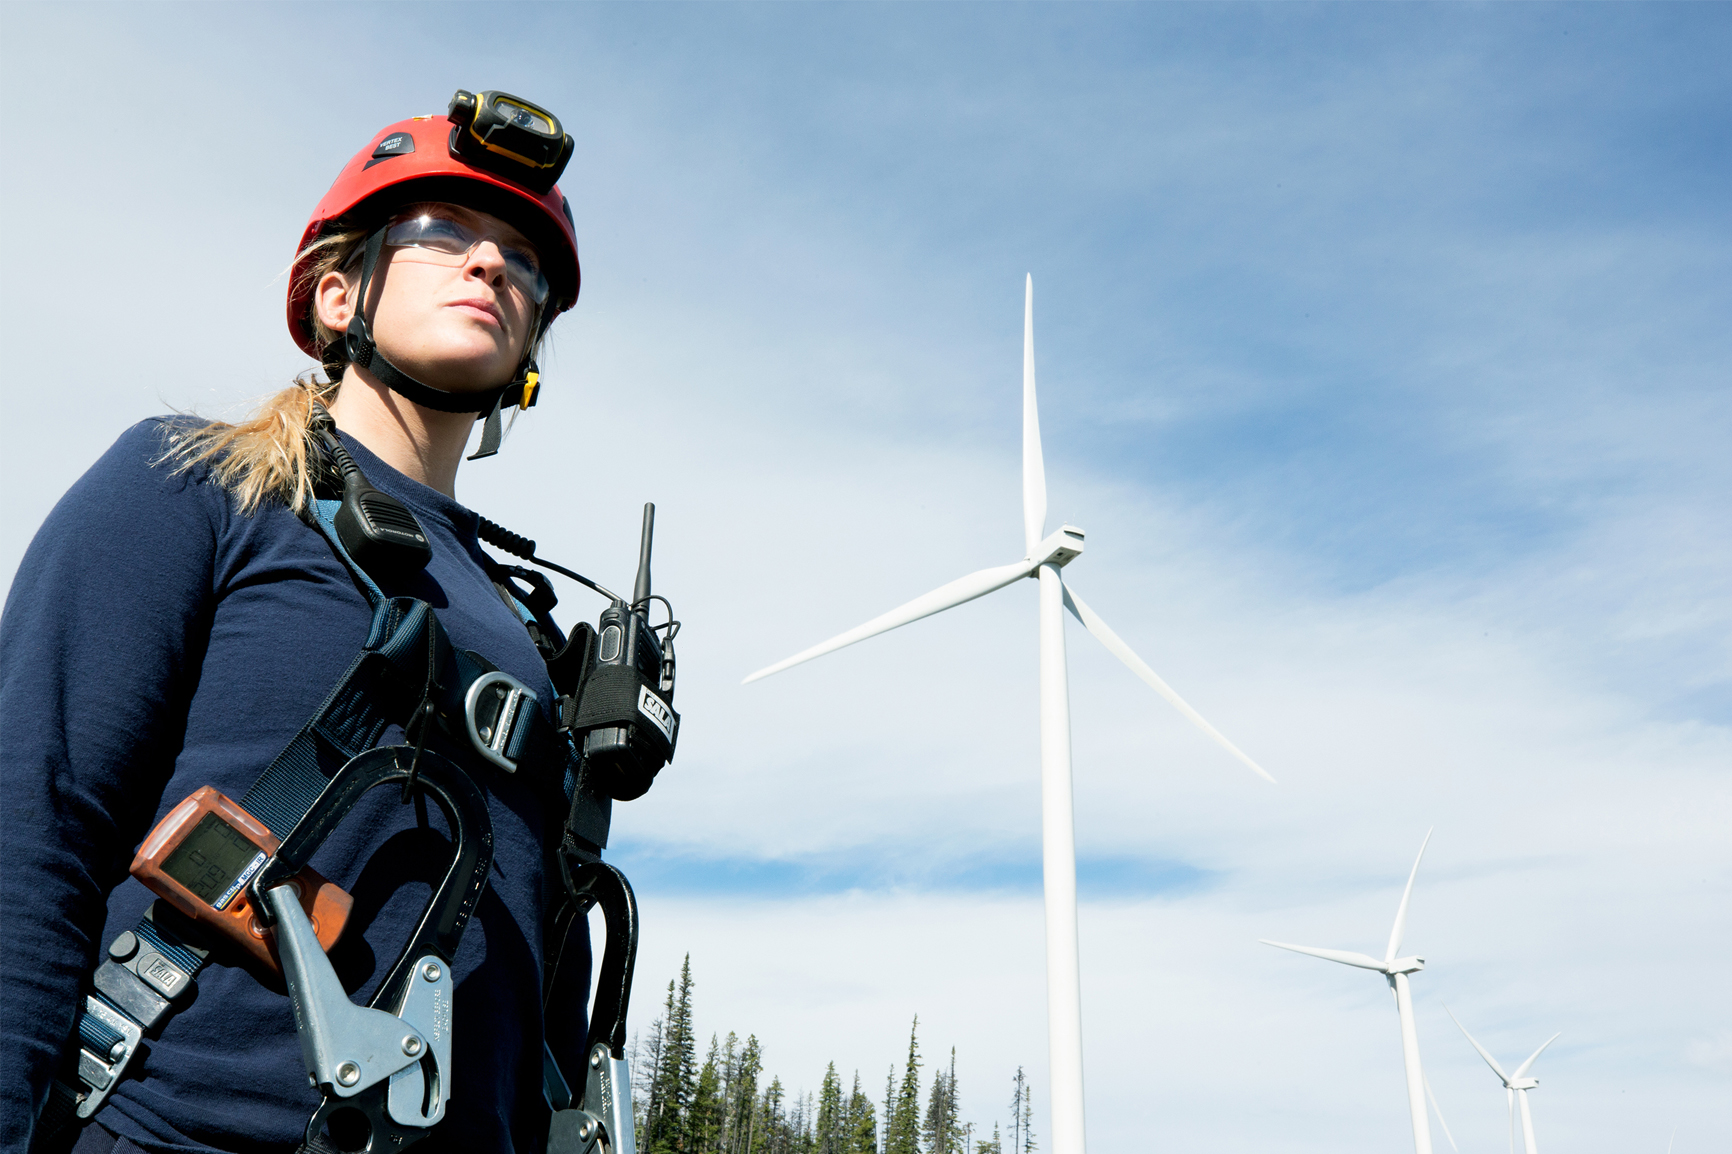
[(1383, 355)]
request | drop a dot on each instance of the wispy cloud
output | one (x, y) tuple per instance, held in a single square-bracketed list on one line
[(1383, 357)]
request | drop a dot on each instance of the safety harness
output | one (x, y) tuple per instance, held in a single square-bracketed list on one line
[(390, 1060)]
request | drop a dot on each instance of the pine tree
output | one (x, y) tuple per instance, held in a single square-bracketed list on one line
[(942, 1130), (889, 1102), (633, 1053), (992, 1145), (800, 1126), (729, 1072), (860, 1126), (828, 1134), (676, 1077), (956, 1138), (1025, 1143), (771, 1125), (704, 1129), (902, 1136), (743, 1098), (646, 1067), (656, 1104)]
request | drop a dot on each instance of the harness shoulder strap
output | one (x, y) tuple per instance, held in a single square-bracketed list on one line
[(407, 673)]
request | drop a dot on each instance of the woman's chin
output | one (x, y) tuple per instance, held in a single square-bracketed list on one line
[(459, 371)]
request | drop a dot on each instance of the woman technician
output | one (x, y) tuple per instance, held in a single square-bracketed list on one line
[(180, 617)]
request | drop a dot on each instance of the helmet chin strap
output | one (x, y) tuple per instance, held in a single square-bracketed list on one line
[(360, 349)]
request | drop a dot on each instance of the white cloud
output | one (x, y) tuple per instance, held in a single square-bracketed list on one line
[(1382, 358)]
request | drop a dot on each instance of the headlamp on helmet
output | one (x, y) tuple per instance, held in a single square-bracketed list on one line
[(509, 136)]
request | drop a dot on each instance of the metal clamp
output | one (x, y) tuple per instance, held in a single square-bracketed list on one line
[(425, 1009), (347, 1048), (605, 1118), (495, 709), (103, 1028)]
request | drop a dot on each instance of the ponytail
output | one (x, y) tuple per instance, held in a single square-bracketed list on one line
[(268, 456)]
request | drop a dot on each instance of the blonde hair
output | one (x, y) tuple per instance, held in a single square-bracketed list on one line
[(268, 456)]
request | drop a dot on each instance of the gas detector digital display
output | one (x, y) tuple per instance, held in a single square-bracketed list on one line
[(204, 853), (214, 861)]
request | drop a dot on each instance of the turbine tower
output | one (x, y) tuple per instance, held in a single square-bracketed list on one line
[(1516, 1085), (1044, 557), (1395, 971)]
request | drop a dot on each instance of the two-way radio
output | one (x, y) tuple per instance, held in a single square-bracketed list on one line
[(625, 717), (615, 680)]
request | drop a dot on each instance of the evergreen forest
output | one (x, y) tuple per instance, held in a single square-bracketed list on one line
[(722, 1104)]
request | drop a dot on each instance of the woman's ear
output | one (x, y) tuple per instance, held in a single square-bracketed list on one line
[(334, 301)]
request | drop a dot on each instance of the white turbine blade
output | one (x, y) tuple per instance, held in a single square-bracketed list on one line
[(1401, 913), (1438, 1110), (1115, 644), (1345, 957), (1509, 1100), (1489, 1060), (1522, 1070), (942, 598), (1033, 465)]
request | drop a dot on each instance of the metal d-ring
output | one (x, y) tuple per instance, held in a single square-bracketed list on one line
[(493, 739)]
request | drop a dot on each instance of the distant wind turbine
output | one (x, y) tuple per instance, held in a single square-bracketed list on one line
[(1044, 557), (1395, 971), (1516, 1085)]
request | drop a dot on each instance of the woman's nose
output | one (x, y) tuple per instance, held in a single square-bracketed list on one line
[(486, 261)]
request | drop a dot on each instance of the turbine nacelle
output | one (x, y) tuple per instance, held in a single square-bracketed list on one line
[(1521, 1083), (1404, 966), (1057, 549)]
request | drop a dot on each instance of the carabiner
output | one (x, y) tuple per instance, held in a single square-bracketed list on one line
[(390, 1061), (604, 1115)]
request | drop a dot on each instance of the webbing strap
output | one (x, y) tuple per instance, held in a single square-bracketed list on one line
[(154, 937), (404, 644), (97, 1035), (407, 663), (324, 511), (366, 699)]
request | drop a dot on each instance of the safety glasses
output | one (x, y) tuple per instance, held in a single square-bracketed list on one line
[(447, 237)]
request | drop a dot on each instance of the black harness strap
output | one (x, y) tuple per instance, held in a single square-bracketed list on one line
[(408, 673)]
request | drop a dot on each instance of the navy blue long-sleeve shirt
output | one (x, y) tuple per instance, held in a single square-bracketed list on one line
[(154, 641)]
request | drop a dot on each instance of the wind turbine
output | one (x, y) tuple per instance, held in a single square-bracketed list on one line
[(1516, 1085), (1044, 557), (1395, 971)]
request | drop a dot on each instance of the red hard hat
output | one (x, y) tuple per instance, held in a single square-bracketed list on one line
[(411, 161)]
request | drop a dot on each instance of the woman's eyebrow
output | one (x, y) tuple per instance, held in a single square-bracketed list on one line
[(481, 222)]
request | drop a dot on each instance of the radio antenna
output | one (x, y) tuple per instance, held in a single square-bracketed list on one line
[(641, 593)]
